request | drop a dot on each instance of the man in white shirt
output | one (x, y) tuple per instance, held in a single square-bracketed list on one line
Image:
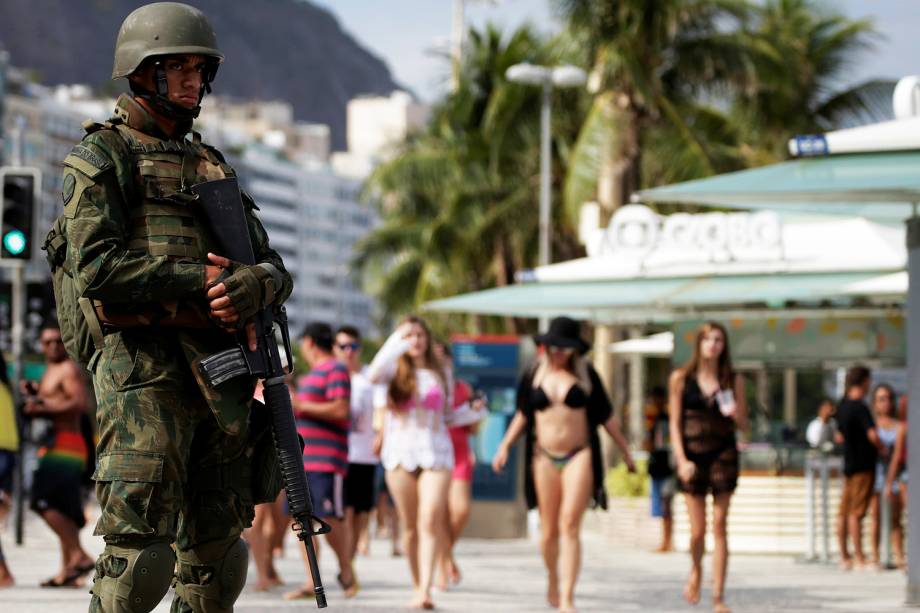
[(820, 432), (362, 461)]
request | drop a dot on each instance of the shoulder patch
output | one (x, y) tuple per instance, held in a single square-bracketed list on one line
[(70, 185), (87, 161)]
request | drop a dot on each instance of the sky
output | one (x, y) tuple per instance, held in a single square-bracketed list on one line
[(407, 33), (412, 35)]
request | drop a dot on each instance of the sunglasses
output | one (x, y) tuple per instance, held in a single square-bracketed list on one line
[(560, 349), (349, 346)]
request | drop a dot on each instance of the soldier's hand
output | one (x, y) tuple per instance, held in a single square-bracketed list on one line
[(240, 292), (212, 272), (218, 301)]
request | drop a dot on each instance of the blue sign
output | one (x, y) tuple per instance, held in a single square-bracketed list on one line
[(490, 365), (809, 145)]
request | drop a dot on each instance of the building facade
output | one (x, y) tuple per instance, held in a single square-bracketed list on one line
[(313, 218)]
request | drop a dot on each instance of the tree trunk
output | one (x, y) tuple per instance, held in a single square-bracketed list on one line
[(504, 275), (619, 174)]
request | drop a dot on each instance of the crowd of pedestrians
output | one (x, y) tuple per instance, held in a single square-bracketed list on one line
[(869, 428), (395, 433)]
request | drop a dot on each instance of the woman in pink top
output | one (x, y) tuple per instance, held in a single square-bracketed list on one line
[(461, 483), (417, 452)]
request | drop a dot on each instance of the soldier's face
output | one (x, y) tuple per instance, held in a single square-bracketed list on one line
[(184, 78)]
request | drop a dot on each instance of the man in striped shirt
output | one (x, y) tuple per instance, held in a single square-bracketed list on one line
[(322, 405)]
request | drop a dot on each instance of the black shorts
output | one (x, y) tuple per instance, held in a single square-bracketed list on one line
[(359, 487), (58, 490)]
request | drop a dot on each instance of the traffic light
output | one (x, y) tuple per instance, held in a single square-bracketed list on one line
[(20, 204)]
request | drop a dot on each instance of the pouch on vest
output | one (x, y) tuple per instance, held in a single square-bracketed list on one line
[(80, 329)]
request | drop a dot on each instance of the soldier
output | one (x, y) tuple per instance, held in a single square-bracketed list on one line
[(175, 457)]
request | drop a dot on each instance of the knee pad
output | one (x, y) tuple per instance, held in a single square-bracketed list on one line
[(211, 576), (132, 579)]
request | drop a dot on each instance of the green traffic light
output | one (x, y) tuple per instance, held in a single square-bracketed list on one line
[(14, 242)]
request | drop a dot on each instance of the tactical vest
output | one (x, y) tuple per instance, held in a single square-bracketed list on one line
[(162, 221)]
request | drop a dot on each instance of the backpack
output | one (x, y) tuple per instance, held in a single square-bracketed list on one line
[(80, 329)]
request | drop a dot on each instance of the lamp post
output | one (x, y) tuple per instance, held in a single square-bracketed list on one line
[(547, 77)]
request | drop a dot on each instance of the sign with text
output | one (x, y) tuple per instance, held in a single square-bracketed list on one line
[(638, 233)]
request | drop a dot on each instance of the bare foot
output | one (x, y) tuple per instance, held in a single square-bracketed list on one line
[(7, 581), (692, 588), (273, 578), (421, 601), (264, 585), (348, 582), (441, 583), (720, 607), (861, 565), (846, 564), (300, 593), (552, 592), (567, 608), (454, 572), (663, 548)]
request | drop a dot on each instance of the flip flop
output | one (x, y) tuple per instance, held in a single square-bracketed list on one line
[(70, 581)]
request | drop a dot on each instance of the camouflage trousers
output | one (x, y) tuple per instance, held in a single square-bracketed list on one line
[(165, 472)]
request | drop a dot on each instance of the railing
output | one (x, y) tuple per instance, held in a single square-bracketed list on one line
[(818, 466)]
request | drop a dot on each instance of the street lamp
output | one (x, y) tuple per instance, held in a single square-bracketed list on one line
[(547, 77)]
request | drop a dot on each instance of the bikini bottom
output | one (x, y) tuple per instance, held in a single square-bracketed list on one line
[(559, 461)]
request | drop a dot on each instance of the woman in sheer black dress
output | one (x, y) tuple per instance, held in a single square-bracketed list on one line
[(707, 405)]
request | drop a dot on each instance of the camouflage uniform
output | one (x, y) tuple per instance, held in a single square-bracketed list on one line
[(175, 458)]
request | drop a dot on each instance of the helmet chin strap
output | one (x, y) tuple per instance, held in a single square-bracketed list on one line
[(160, 98)]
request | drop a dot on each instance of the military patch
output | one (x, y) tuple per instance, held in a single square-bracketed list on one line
[(87, 161), (70, 185), (88, 155)]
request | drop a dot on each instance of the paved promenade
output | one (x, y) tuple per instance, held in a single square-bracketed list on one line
[(506, 576)]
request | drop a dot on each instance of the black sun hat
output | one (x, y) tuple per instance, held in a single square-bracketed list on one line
[(563, 332)]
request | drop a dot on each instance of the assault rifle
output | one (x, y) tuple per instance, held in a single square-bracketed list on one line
[(222, 208)]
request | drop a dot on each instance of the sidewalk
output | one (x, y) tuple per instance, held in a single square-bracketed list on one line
[(505, 576)]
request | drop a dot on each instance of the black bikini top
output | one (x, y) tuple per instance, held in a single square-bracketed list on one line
[(576, 398)]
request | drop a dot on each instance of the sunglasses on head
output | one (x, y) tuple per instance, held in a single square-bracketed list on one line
[(353, 346)]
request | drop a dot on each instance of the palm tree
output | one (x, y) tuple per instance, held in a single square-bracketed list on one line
[(459, 200), (800, 54), (653, 65), (689, 88)]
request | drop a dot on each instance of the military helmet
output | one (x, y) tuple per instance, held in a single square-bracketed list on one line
[(163, 28)]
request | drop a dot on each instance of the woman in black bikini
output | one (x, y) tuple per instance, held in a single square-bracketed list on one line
[(561, 403), (707, 406)]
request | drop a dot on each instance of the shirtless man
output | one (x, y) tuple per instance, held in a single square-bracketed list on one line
[(62, 397)]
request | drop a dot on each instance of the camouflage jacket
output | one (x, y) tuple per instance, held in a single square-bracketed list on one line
[(121, 176)]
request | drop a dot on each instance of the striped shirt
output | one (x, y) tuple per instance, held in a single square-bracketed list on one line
[(325, 441)]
